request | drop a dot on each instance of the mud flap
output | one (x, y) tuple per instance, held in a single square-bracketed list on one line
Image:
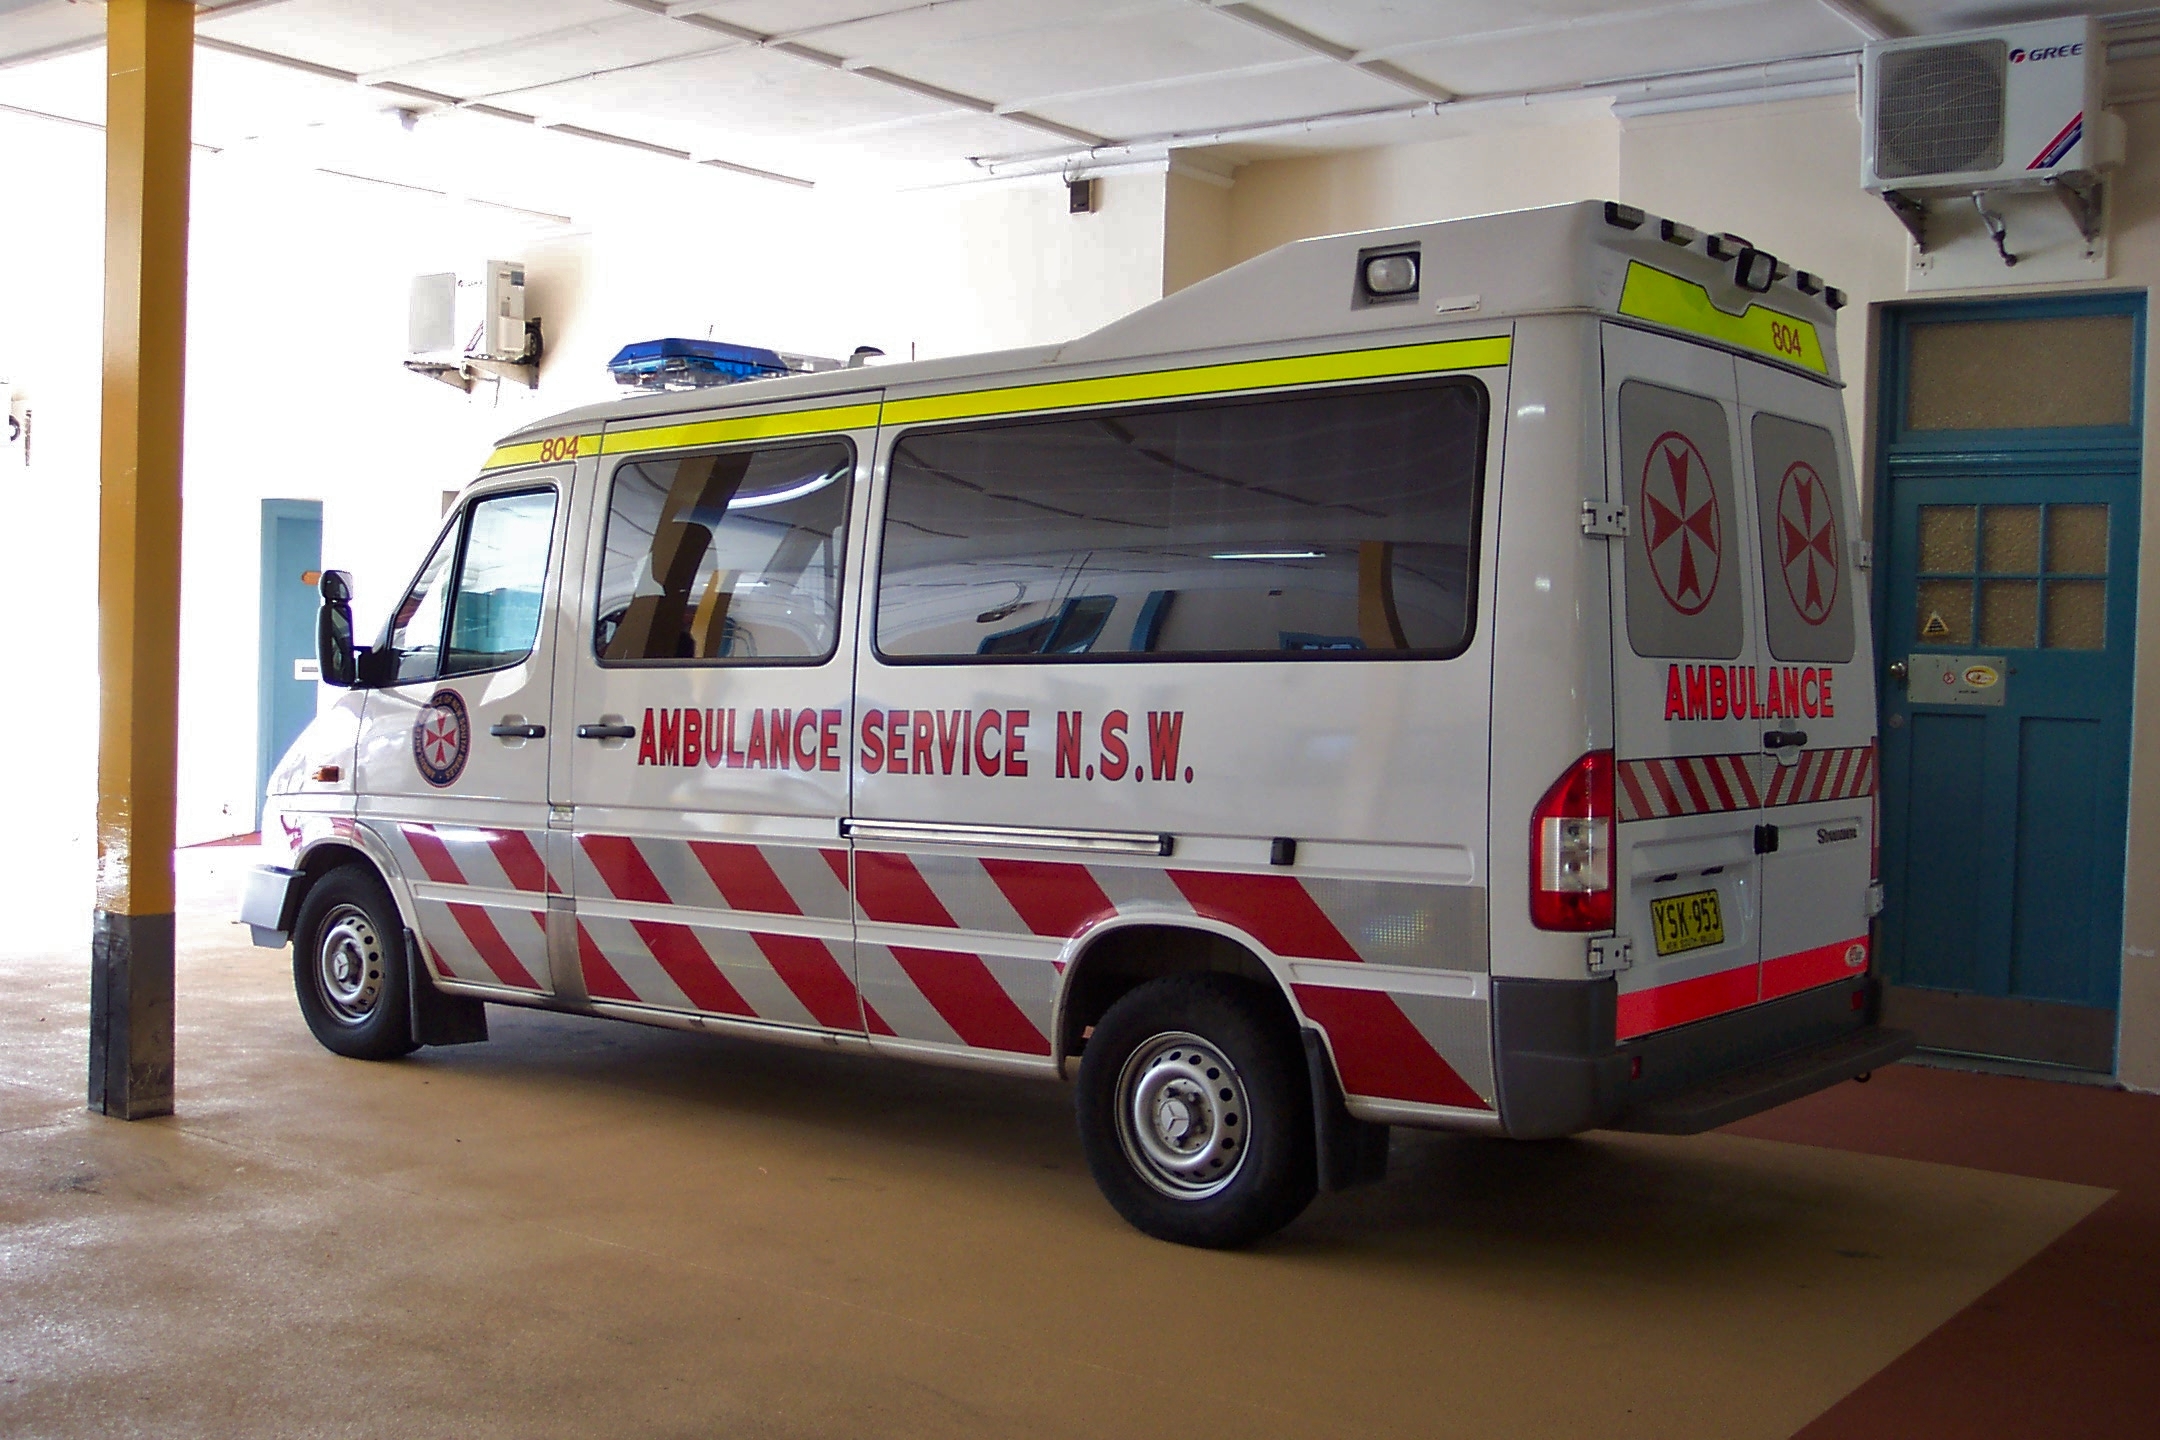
[(1350, 1151), (439, 1019)]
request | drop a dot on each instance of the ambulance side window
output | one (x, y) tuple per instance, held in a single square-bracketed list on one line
[(1683, 551), (725, 556), (416, 626), (1807, 594), (501, 582), (1337, 523)]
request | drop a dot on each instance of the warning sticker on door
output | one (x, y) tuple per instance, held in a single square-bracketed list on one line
[(1934, 627), (1957, 680)]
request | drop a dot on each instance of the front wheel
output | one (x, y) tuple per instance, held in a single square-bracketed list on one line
[(349, 966), (1196, 1114)]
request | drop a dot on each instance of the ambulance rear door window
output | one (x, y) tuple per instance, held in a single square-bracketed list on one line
[(725, 557), (1807, 593), (1317, 525), (1683, 550)]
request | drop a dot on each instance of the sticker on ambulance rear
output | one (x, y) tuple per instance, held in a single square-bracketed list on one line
[(1686, 533)]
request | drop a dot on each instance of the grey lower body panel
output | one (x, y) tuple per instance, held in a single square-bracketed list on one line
[(1560, 1071)]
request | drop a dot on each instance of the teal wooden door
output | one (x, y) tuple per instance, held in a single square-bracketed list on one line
[(2007, 558), (284, 683)]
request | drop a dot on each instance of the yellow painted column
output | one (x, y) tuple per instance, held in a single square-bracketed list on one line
[(150, 60)]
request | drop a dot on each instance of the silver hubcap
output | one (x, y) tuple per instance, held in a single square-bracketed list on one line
[(349, 965), (1182, 1116)]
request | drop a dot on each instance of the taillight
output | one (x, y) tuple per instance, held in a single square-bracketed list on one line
[(1571, 834)]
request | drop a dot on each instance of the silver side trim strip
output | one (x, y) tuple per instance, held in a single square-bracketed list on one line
[(1010, 837), (1420, 1116)]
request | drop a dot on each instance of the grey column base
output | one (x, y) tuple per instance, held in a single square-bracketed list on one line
[(131, 1015)]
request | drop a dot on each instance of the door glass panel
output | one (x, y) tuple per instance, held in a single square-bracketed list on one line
[(2020, 374), (2076, 615), (2010, 539), (1945, 613), (416, 627), (1801, 505), (728, 556), (1683, 597), (1946, 538), (2077, 539), (495, 615), (2009, 614)]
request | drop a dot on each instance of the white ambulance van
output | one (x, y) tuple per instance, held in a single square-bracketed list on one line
[(1415, 678)]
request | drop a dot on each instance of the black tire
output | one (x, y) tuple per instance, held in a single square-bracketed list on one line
[(1196, 1113), (349, 966)]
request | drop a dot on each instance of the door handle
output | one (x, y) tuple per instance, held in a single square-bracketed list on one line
[(518, 732), (1784, 740), (607, 732), (1898, 671)]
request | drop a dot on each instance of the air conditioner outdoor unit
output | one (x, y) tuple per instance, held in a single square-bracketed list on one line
[(1987, 115), (2011, 108)]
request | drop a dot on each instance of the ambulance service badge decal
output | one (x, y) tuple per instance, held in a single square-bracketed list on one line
[(1685, 536), (441, 739), (1807, 542)]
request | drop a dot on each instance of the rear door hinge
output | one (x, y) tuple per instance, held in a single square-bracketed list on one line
[(1609, 522), (1609, 954)]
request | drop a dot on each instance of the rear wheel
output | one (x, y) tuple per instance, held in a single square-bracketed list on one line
[(349, 966), (1195, 1112)]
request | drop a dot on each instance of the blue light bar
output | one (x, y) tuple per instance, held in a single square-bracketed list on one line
[(677, 364)]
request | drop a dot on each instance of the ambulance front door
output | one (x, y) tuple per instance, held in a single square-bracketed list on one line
[(1817, 670), (453, 756), (711, 675), (1689, 754)]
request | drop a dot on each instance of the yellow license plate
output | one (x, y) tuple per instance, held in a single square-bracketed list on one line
[(1687, 922)]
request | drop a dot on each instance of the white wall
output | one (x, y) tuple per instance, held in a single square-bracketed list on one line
[(297, 297)]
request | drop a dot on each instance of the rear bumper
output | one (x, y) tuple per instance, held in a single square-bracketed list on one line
[(1559, 1070)]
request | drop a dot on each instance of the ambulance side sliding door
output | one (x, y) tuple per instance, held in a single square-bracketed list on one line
[(711, 675)]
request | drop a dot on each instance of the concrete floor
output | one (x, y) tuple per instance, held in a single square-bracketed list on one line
[(590, 1228)]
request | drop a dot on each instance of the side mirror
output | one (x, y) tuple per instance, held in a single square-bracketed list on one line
[(334, 653)]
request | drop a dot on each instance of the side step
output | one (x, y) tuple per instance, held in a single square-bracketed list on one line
[(1737, 1094)]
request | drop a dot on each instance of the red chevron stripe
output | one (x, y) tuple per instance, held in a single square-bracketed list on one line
[(623, 869), (962, 989), (521, 862), (693, 971), (1051, 898), (433, 855), (806, 967), (1715, 764), (890, 890), (602, 980), (1668, 802), (1638, 806), (1273, 909), (1378, 1052), (744, 877), (1690, 776), (479, 928)]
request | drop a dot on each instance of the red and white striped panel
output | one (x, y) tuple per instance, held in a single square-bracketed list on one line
[(495, 938), (733, 967), (1401, 1047), (1706, 784)]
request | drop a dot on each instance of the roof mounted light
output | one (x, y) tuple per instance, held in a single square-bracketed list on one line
[(1385, 276), (1833, 297), (1726, 247), (1672, 232), (1755, 270), (1807, 282), (1626, 217)]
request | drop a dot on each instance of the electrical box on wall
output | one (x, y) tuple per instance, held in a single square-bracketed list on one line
[(1990, 147)]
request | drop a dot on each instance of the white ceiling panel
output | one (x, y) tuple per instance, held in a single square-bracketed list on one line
[(368, 35), (752, 93), (1048, 48), (1572, 57), (1226, 104)]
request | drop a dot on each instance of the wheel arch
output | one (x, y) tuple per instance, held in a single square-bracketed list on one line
[(1112, 960)]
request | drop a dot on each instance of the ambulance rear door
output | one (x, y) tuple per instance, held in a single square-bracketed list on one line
[(1817, 677), (1688, 760)]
